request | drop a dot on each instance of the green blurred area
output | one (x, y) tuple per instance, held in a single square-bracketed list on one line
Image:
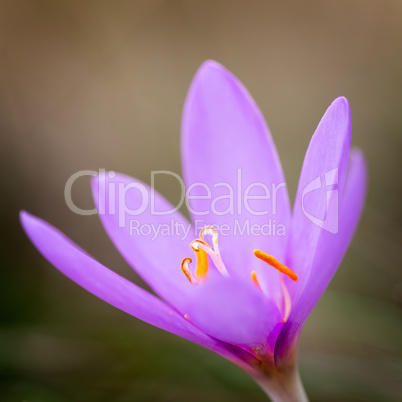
[(101, 84)]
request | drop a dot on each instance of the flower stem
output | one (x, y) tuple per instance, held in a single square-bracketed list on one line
[(284, 387)]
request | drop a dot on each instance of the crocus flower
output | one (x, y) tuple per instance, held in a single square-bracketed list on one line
[(248, 296)]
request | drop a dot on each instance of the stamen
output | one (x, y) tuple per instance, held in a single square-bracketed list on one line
[(276, 264), (255, 280), (186, 270), (199, 244), (287, 303), (201, 271)]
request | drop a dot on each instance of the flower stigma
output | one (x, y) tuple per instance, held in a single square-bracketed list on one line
[(203, 250), (186, 270)]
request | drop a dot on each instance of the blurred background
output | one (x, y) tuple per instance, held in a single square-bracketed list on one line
[(101, 84)]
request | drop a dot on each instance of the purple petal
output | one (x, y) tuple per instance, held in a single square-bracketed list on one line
[(234, 312), (321, 183), (224, 137), (330, 251), (127, 216), (73, 262)]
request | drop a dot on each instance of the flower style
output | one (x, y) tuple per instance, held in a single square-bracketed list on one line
[(247, 297)]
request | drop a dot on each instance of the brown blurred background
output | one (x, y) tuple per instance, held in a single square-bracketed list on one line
[(101, 84)]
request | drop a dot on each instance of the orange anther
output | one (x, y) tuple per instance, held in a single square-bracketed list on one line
[(276, 264)]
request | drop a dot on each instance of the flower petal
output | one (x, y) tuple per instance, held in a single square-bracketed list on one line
[(226, 146), (234, 312), (73, 262), (153, 244), (330, 251), (321, 184)]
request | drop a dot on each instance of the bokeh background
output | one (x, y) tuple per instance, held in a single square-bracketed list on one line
[(101, 84)]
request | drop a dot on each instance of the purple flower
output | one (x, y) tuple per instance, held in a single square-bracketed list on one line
[(247, 297)]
